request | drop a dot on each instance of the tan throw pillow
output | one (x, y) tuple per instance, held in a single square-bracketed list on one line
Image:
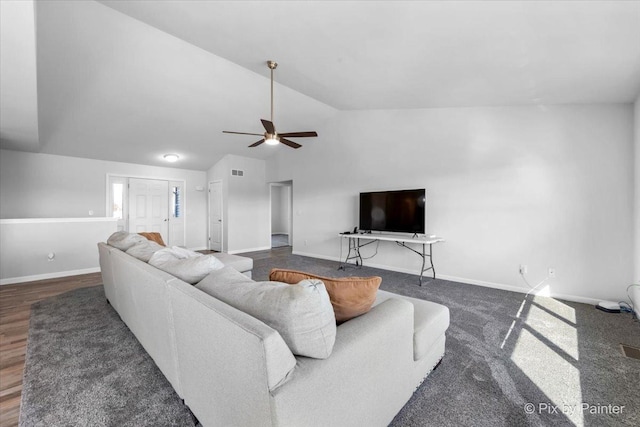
[(154, 237), (350, 296)]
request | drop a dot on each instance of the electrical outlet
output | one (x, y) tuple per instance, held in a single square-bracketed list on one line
[(523, 269), (552, 272)]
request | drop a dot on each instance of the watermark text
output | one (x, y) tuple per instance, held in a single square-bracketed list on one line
[(578, 408)]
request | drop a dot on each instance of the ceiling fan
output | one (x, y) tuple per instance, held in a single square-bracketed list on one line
[(270, 136)]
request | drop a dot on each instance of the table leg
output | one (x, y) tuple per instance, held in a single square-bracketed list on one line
[(354, 247)]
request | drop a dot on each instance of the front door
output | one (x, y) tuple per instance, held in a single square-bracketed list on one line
[(149, 206)]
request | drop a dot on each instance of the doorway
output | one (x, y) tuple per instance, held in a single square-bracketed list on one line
[(148, 205), (281, 214)]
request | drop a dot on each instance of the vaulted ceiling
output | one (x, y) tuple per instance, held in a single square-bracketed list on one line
[(132, 80)]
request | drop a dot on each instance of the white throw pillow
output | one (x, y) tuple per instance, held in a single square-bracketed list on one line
[(124, 240), (301, 313), (144, 250), (185, 264)]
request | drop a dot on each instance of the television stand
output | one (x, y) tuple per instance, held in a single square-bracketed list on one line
[(357, 241)]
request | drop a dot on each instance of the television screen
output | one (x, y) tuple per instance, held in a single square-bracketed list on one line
[(400, 211)]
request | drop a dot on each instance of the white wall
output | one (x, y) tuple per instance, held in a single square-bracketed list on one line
[(280, 202), (546, 186), (36, 185), (636, 276), (245, 203), (34, 249), (18, 79), (636, 257), (276, 211)]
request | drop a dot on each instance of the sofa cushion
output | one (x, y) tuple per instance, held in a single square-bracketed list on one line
[(144, 250), (154, 237), (240, 263), (430, 322), (301, 313), (350, 296), (186, 265), (123, 240)]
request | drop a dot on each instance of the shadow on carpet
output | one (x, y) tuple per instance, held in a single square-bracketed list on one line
[(510, 360)]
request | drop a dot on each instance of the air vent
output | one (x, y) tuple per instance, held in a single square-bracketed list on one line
[(630, 352), (237, 172)]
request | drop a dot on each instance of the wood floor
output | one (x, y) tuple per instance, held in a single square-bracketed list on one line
[(15, 310)]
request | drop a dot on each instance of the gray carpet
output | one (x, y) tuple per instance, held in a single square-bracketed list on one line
[(85, 368), (506, 356)]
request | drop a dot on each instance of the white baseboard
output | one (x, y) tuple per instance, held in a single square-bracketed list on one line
[(239, 251), (203, 248), (501, 286), (23, 279), (310, 255), (634, 294), (574, 298)]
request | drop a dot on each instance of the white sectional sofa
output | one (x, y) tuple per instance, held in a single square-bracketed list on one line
[(232, 369)]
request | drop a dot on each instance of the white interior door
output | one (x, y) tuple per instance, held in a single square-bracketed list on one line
[(149, 206), (215, 216)]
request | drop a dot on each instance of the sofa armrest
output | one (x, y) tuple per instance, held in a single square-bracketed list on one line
[(228, 360), (365, 381)]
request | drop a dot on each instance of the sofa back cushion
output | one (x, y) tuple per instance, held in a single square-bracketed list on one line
[(301, 313), (350, 296), (123, 240), (144, 250), (185, 264)]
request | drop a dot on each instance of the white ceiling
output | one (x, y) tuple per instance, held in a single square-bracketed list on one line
[(132, 80), (413, 54)]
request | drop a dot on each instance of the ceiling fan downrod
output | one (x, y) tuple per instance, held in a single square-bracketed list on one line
[(272, 66)]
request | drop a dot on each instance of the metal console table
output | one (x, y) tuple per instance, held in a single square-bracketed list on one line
[(359, 240)]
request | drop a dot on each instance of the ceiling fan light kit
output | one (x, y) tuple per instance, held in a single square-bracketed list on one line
[(270, 136), (272, 140)]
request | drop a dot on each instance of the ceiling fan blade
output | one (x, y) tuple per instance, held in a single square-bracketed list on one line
[(268, 126), (299, 134), (290, 143), (242, 133), (255, 144)]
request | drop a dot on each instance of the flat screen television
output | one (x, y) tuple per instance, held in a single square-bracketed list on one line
[(402, 211)]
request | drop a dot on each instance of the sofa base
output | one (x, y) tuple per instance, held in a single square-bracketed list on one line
[(378, 361), (430, 362)]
